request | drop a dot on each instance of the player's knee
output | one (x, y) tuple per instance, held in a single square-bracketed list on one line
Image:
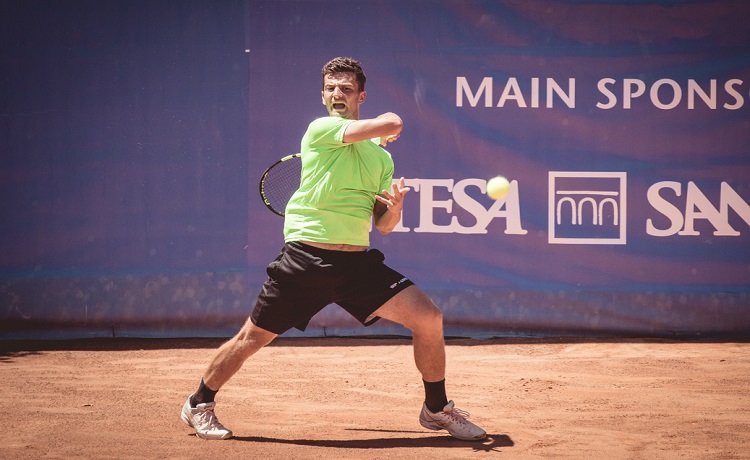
[(435, 314), (253, 337), (430, 317)]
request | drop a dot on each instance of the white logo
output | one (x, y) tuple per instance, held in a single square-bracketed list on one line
[(694, 208), (587, 207), (397, 283)]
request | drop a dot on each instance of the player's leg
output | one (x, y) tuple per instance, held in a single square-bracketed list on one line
[(413, 309), (289, 298), (232, 354), (198, 410)]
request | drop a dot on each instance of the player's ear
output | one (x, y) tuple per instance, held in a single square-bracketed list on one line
[(322, 97), (362, 96)]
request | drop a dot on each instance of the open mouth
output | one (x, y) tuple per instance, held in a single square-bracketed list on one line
[(339, 106)]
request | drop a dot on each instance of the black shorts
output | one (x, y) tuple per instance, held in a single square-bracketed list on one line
[(303, 279)]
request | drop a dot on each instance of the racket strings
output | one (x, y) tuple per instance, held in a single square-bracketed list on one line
[(281, 182)]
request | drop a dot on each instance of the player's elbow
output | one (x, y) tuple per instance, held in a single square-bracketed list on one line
[(392, 122)]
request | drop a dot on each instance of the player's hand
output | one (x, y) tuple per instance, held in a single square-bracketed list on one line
[(386, 139), (394, 200)]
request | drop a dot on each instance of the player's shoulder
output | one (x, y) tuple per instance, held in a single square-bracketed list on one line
[(329, 122)]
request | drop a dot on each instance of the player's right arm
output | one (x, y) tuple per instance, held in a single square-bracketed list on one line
[(387, 125)]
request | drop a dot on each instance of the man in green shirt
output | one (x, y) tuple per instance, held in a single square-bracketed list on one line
[(346, 183)]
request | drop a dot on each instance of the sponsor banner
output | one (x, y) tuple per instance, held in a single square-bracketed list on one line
[(627, 151), (626, 147)]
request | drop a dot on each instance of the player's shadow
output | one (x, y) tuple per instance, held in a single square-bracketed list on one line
[(491, 443)]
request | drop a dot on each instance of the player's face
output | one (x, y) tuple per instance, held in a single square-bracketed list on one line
[(341, 95)]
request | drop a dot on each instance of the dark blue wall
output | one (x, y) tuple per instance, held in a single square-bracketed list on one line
[(123, 137), (123, 163)]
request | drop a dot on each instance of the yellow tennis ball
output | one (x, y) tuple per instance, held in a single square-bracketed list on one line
[(497, 187)]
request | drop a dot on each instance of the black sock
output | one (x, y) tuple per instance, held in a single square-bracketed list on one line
[(203, 395), (434, 395)]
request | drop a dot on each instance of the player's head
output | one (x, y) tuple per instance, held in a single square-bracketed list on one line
[(346, 64), (343, 88)]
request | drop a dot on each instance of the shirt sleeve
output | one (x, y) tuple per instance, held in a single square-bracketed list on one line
[(324, 133)]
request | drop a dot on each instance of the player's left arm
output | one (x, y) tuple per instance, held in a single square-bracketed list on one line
[(388, 207), (387, 125)]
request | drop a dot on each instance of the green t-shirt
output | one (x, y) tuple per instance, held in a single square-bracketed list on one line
[(339, 182)]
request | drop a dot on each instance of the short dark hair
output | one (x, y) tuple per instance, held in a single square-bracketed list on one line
[(346, 64)]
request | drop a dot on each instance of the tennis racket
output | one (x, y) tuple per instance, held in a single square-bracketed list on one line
[(279, 182)]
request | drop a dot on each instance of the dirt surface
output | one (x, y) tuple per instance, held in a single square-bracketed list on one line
[(359, 399)]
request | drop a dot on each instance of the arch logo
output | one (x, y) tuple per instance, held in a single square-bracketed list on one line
[(587, 207)]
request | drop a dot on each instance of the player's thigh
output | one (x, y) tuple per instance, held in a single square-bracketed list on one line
[(411, 308)]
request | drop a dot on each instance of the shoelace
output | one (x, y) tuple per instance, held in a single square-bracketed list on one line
[(458, 415), (208, 419)]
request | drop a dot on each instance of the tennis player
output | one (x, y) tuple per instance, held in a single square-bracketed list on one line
[(347, 182)]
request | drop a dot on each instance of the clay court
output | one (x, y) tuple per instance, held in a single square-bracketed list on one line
[(346, 398)]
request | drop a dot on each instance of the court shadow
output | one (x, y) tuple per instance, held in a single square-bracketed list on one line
[(7, 357), (491, 443)]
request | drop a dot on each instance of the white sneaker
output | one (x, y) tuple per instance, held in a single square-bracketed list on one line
[(453, 420), (203, 419)]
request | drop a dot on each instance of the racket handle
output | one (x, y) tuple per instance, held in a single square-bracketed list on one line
[(385, 139)]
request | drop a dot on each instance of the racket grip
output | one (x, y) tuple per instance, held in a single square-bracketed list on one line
[(385, 139)]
